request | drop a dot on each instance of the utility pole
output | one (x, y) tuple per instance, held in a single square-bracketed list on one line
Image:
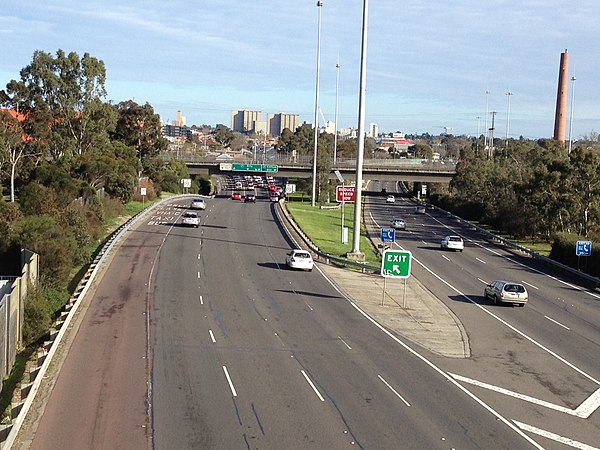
[(335, 135), (314, 173), (571, 118), (509, 94), (491, 136)]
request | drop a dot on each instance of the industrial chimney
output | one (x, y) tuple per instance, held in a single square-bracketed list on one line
[(560, 120)]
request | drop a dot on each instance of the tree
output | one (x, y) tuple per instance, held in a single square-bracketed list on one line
[(13, 146), (223, 135), (139, 127), (61, 98)]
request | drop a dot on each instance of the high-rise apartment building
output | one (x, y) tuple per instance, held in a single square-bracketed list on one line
[(244, 121), (373, 130), (278, 122)]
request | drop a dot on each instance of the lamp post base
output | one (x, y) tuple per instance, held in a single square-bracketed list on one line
[(356, 256)]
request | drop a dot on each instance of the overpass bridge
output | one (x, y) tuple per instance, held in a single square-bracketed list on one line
[(410, 170)]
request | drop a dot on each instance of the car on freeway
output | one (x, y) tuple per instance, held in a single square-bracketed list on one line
[(236, 196), (390, 199), (420, 209), (250, 198), (274, 197), (452, 243), (190, 219), (299, 259), (198, 203), (398, 224), (502, 291)]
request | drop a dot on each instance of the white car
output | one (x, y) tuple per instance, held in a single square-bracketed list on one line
[(398, 224), (452, 243), (190, 219), (502, 291), (299, 259), (390, 199), (420, 209), (198, 203)]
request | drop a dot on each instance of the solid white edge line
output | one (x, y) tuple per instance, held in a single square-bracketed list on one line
[(449, 378), (393, 390), (312, 386), (504, 322), (554, 437), (229, 381)]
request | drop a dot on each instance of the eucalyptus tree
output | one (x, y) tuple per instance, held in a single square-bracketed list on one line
[(61, 98)]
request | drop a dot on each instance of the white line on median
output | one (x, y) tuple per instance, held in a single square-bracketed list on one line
[(584, 410), (554, 437), (229, 381)]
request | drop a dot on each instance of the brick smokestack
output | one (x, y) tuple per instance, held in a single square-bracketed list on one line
[(560, 120)]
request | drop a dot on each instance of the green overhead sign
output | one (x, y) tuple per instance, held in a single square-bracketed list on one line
[(396, 264), (240, 167)]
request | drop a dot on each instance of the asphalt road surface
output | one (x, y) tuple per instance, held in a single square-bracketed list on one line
[(201, 338)]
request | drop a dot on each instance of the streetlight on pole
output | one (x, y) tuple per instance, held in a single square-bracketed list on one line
[(485, 138), (335, 135), (314, 173), (356, 253), (571, 118), (508, 94), (477, 139)]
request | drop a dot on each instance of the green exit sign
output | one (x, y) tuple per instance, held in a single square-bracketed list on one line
[(396, 264), (240, 167)]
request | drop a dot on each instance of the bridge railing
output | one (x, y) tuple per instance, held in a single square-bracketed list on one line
[(306, 161)]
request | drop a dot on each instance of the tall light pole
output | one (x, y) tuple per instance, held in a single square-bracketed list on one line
[(571, 118), (335, 135), (314, 173), (508, 94), (356, 253), (485, 138), (477, 139)]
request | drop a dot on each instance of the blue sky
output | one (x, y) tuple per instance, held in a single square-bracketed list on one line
[(429, 63)]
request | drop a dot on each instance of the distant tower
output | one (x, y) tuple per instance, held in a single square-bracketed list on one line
[(560, 120)]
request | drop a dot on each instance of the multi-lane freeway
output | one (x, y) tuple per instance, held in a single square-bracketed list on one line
[(201, 338)]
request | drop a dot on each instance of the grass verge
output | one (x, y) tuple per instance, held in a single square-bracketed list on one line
[(323, 226)]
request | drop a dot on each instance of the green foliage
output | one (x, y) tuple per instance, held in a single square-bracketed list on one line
[(56, 245), (324, 228), (37, 316)]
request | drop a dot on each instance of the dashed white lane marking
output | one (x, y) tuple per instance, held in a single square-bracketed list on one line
[(557, 323), (313, 386), (481, 260), (584, 410), (530, 285), (393, 390), (555, 437), (212, 336), (233, 391), (340, 338)]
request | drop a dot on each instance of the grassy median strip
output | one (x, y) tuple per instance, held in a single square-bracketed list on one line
[(324, 227)]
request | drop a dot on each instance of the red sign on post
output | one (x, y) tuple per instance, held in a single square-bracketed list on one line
[(346, 193)]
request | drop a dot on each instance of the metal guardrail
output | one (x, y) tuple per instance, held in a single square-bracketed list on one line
[(327, 258), (367, 267), (534, 255)]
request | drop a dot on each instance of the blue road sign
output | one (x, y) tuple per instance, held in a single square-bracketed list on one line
[(388, 235), (584, 248)]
